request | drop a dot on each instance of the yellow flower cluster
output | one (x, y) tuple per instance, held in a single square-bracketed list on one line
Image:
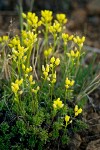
[(79, 41), (29, 38), (55, 28), (54, 61), (77, 110), (26, 70), (69, 83), (57, 104), (73, 53), (53, 77), (47, 52), (67, 119), (46, 17), (61, 18), (18, 53), (31, 80), (14, 42), (66, 37), (32, 20), (45, 70), (15, 86), (49, 77), (4, 39), (36, 90)]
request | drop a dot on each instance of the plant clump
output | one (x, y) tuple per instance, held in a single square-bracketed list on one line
[(43, 79)]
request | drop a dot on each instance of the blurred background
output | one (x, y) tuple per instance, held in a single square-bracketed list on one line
[(83, 16)]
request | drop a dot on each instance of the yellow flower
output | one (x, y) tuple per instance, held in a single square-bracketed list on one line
[(31, 78), (77, 111), (76, 108), (47, 52), (54, 75), (21, 92), (54, 106), (72, 83), (79, 41), (61, 18), (58, 104), (23, 15), (23, 66), (27, 70), (32, 20), (52, 60), (45, 74), (4, 39), (80, 111), (73, 54), (51, 65), (70, 37), (15, 86), (47, 68), (55, 28), (67, 86), (43, 68), (24, 58), (53, 81), (69, 83), (66, 37), (36, 90), (26, 75), (19, 82), (30, 68), (67, 118), (57, 61), (77, 54), (46, 16)]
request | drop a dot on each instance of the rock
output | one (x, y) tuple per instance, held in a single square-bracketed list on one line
[(93, 7), (94, 145), (94, 123), (78, 18), (75, 142)]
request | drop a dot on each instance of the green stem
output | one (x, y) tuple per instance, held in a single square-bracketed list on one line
[(54, 36), (31, 5), (20, 14), (52, 85), (36, 102), (28, 56), (46, 36)]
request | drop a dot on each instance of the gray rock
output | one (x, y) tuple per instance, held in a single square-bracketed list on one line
[(94, 145), (75, 142)]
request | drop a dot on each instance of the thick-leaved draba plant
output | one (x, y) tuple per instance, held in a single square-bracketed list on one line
[(42, 95)]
